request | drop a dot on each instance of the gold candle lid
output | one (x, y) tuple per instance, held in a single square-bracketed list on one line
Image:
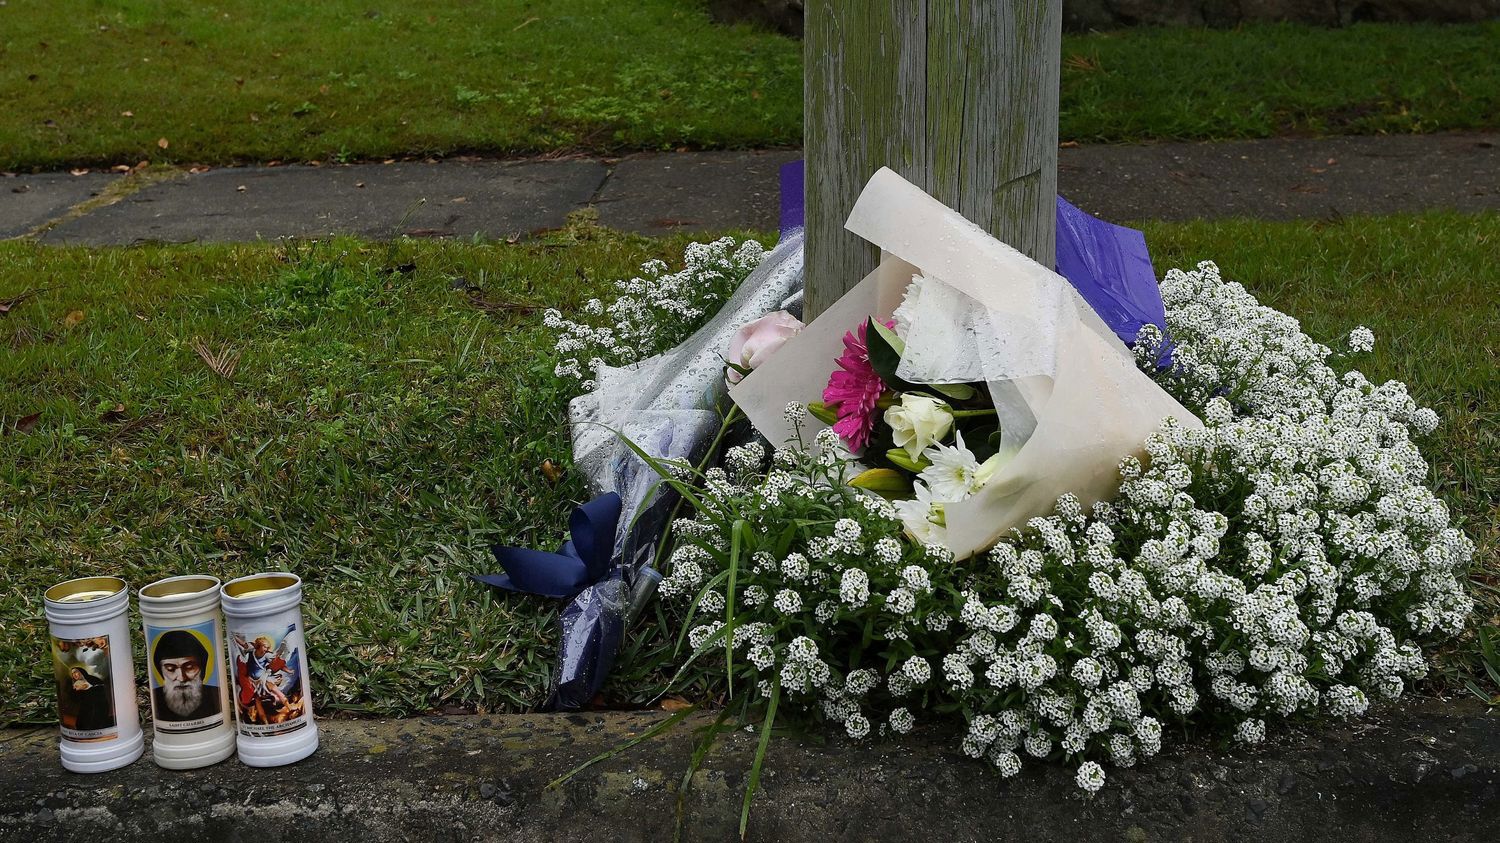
[(178, 586), (255, 586), (85, 589)]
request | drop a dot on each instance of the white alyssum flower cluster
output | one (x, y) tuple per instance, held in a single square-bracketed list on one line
[(1284, 559), (652, 311)]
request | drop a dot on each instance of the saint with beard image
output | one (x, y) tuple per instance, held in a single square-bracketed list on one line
[(182, 668)]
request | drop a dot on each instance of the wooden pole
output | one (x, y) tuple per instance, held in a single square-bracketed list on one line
[(957, 96)]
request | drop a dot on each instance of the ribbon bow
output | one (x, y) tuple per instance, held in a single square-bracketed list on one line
[(580, 562)]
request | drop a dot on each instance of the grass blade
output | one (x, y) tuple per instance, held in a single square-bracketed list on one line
[(736, 546), (616, 750), (1479, 692), (760, 757), (699, 754)]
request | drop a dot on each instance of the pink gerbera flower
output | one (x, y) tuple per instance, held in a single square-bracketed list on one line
[(853, 391)]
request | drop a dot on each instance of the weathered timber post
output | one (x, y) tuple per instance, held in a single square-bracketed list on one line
[(957, 96)]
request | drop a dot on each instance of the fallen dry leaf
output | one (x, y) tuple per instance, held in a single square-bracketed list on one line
[(551, 471), (163, 143), (72, 319), (79, 172), (675, 704), (26, 424), (127, 114)]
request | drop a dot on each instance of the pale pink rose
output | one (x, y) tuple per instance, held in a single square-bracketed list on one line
[(757, 341)]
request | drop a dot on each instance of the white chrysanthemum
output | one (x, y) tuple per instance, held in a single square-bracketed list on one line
[(922, 515), (955, 473)]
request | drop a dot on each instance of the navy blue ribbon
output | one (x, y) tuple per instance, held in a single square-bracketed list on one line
[(581, 561)]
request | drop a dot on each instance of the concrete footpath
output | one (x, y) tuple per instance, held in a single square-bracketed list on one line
[(1425, 769), (655, 193)]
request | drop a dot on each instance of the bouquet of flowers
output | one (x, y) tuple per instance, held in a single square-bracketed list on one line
[(976, 384)]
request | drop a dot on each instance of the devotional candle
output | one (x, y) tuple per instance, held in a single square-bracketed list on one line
[(268, 663), (98, 719), (185, 666)]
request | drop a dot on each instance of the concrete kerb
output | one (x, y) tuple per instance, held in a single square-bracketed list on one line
[(1424, 768)]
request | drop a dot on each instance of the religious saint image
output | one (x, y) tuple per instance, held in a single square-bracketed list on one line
[(269, 691), (185, 679), (85, 695)]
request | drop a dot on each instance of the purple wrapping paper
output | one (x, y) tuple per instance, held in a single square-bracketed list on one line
[(1110, 267), (791, 197)]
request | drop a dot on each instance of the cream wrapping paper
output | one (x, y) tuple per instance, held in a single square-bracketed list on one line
[(1070, 399)]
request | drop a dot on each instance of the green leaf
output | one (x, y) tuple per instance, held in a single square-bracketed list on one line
[(1482, 694), (895, 342), (956, 391), (884, 358)]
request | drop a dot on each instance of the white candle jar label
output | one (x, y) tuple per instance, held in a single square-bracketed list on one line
[(271, 679), (85, 689), (186, 681)]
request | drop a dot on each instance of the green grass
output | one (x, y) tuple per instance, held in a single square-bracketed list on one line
[(1269, 80), (383, 428), (233, 80)]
